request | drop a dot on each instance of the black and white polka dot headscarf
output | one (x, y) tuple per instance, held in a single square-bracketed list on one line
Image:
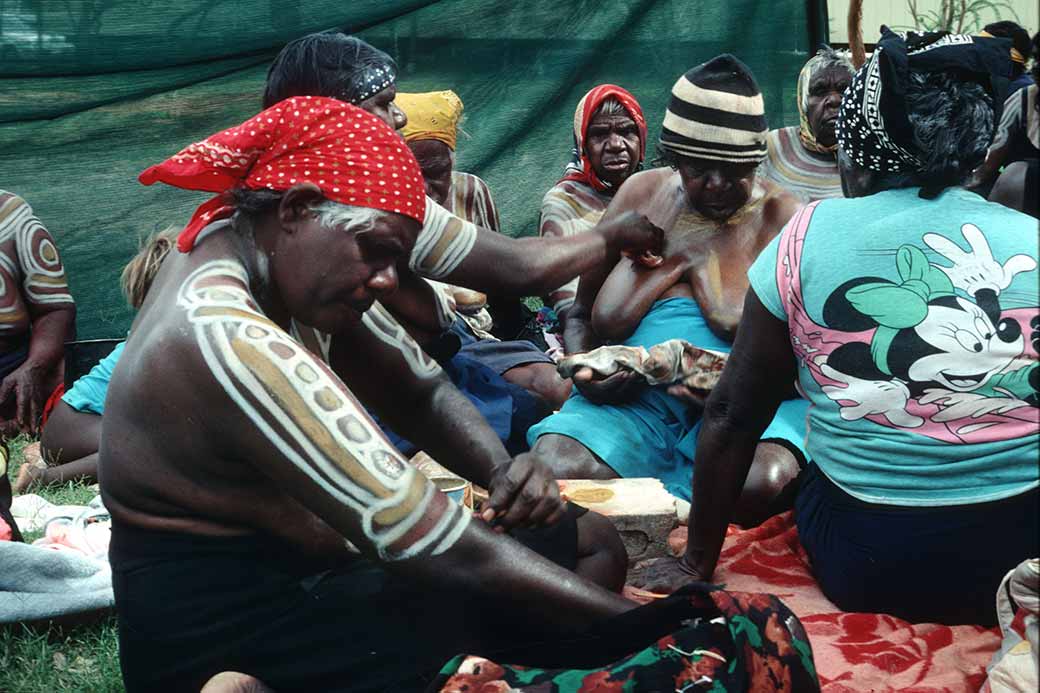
[(373, 72), (873, 126)]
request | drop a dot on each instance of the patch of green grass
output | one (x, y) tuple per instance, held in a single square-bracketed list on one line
[(48, 658)]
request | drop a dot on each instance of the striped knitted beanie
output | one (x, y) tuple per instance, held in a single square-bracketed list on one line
[(716, 112)]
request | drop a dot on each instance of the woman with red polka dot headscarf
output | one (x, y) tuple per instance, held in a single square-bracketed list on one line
[(244, 477)]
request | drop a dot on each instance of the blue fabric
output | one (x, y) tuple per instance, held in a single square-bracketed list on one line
[(507, 408), (925, 565), (499, 356), (1023, 81), (654, 435), (88, 393), (916, 434)]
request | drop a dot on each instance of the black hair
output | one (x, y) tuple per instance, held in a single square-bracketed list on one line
[(1036, 61), (250, 205), (1019, 39), (328, 64), (952, 121), (253, 203)]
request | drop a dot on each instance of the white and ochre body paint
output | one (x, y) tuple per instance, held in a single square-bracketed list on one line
[(30, 267), (313, 420)]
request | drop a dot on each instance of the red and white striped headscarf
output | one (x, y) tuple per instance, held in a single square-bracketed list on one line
[(580, 169)]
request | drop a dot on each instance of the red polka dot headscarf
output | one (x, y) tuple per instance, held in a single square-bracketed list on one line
[(351, 155)]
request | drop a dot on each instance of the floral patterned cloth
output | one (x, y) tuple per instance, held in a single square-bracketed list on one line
[(729, 641), (854, 652)]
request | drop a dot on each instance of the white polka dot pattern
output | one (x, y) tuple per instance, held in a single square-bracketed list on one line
[(351, 155)]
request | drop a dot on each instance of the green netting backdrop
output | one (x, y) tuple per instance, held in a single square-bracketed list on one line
[(93, 91)]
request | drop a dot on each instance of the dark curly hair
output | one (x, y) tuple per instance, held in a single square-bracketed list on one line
[(1036, 61), (952, 122), (322, 64)]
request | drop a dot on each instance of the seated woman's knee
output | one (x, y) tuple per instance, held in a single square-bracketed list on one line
[(601, 551), (569, 459), (69, 435), (775, 468)]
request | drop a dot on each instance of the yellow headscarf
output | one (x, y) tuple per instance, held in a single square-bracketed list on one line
[(433, 115)]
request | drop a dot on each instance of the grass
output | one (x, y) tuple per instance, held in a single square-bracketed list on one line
[(46, 658)]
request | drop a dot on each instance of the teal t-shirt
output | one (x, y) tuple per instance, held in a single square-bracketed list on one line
[(916, 327), (88, 393)]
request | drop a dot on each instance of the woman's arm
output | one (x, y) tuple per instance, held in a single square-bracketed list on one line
[(757, 378), (627, 294), (419, 306)]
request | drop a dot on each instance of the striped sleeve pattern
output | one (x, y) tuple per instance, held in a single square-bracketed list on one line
[(443, 243), (471, 200), (39, 265), (570, 208), (806, 174), (1011, 121)]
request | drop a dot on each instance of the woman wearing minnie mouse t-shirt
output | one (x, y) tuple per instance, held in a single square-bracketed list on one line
[(909, 317)]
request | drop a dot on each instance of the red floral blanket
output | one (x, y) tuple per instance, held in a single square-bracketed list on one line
[(854, 652)]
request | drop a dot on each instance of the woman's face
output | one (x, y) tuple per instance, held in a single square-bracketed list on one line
[(328, 277), (612, 145), (382, 106), (825, 90), (716, 189), (436, 161)]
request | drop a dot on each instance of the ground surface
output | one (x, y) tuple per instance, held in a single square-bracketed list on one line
[(47, 658)]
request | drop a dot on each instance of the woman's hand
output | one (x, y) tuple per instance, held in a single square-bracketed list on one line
[(623, 386), (665, 575)]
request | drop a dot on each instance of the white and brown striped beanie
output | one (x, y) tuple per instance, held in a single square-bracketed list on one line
[(716, 112)]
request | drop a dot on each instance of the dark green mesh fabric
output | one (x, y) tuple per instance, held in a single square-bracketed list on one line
[(93, 91)]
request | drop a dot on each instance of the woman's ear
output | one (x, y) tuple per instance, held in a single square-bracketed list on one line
[(296, 204)]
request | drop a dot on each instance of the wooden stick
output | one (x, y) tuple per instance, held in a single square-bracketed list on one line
[(854, 25)]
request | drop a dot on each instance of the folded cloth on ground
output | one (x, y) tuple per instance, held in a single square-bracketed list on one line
[(39, 583), (33, 512), (1015, 666), (853, 651), (87, 533), (667, 363)]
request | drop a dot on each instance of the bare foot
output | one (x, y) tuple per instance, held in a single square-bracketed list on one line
[(234, 682), (28, 475), (31, 470)]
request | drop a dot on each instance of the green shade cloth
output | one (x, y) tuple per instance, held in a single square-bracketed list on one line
[(93, 92)]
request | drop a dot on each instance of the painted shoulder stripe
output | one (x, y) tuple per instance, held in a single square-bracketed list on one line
[(297, 403)]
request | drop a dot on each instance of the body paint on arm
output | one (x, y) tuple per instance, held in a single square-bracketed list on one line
[(43, 277), (313, 421), (383, 325)]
